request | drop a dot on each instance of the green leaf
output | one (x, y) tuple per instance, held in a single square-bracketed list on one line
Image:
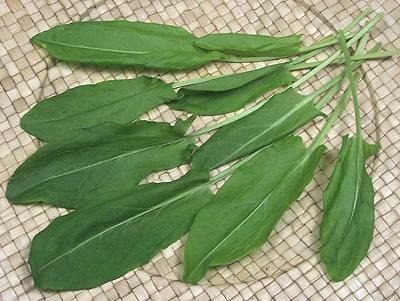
[(348, 221), (98, 163), (85, 106), (246, 209), (251, 45), (277, 118), (91, 246), (125, 43), (230, 93)]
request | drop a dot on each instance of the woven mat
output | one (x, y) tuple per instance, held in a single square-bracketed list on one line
[(288, 266)]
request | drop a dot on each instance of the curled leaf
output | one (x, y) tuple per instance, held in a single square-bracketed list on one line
[(251, 45), (231, 92)]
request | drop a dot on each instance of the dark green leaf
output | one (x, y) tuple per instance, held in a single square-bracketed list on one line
[(91, 246), (348, 222), (125, 43), (277, 118), (229, 93), (251, 45), (246, 209), (118, 101), (98, 164)]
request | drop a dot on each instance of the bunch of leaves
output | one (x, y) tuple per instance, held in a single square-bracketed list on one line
[(98, 152)]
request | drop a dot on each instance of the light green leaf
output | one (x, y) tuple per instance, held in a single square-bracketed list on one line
[(251, 45), (231, 92), (98, 163), (125, 43), (91, 246), (277, 118), (246, 209), (348, 221), (85, 106)]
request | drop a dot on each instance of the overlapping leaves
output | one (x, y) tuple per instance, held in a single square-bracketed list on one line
[(96, 158)]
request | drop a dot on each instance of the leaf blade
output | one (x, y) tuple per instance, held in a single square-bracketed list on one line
[(277, 118), (246, 209), (120, 101), (95, 245), (125, 43), (348, 221)]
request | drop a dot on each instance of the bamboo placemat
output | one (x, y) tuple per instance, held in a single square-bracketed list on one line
[(288, 266)]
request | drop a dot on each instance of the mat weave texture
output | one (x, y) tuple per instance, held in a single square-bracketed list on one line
[(288, 266)]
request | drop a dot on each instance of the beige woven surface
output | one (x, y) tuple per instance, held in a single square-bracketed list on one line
[(288, 266)]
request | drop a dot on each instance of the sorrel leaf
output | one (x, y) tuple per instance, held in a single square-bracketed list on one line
[(277, 118), (91, 246), (85, 106), (230, 93), (348, 221), (242, 215), (125, 43), (251, 45), (98, 164)]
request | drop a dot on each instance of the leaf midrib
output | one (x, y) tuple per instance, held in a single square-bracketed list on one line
[(113, 50), (91, 48), (359, 154)]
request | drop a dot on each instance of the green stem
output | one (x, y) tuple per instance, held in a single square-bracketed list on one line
[(353, 85), (362, 44), (358, 19), (370, 25), (328, 96), (375, 55), (331, 120), (347, 29), (335, 81), (355, 57), (293, 67), (324, 43)]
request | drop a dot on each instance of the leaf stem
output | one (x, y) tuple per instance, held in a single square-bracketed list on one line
[(335, 81), (331, 120), (353, 86), (362, 44), (301, 66), (367, 28), (333, 39), (324, 43), (354, 57)]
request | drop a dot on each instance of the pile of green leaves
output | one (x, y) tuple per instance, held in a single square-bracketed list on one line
[(97, 153)]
